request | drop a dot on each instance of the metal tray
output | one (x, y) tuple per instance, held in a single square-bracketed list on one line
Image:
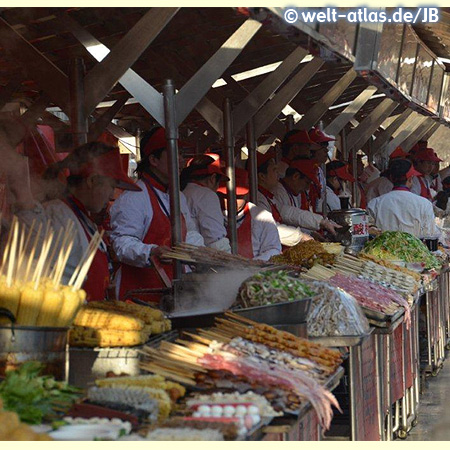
[(288, 313), (377, 316), (340, 341)]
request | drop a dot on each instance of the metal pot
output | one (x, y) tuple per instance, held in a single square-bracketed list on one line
[(354, 222), (19, 344)]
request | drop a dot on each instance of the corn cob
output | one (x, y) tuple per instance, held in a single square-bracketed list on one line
[(155, 381), (167, 325), (145, 313), (99, 319), (9, 299), (72, 302), (30, 305), (89, 337), (50, 309), (158, 327)]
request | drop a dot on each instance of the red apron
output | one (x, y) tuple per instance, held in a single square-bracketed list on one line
[(305, 202), (273, 208), (159, 233), (424, 189), (363, 198), (97, 280), (244, 235)]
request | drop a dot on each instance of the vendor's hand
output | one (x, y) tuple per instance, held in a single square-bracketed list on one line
[(329, 225), (159, 251), (317, 236)]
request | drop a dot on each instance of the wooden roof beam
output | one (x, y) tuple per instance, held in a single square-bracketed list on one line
[(36, 66)]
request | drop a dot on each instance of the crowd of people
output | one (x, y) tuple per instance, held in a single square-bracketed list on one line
[(294, 197)]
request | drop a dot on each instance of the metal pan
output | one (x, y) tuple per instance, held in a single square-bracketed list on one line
[(288, 313), (378, 316), (340, 341)]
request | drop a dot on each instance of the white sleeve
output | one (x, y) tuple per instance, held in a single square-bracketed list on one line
[(210, 218), (263, 202), (266, 234), (428, 224), (333, 201), (294, 216), (131, 216), (415, 188), (290, 236), (193, 236), (222, 244)]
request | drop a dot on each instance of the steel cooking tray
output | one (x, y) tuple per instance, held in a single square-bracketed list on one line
[(340, 341), (287, 313), (378, 318)]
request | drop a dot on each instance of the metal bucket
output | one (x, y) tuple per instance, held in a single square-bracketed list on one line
[(19, 344), (355, 221)]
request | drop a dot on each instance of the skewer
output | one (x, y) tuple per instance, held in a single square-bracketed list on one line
[(156, 369), (12, 253), (32, 253)]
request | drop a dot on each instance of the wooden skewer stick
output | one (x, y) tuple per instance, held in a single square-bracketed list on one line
[(32, 253), (12, 253), (84, 270), (50, 258), (23, 257), (64, 254)]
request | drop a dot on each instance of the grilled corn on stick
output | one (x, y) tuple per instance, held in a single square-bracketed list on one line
[(30, 305), (9, 299), (50, 308), (99, 319), (71, 303)]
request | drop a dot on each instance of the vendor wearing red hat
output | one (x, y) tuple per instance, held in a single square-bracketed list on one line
[(295, 144), (256, 229), (436, 181), (320, 156), (337, 173), (400, 209), (140, 222), (298, 179), (95, 170), (424, 164), (199, 183), (267, 183)]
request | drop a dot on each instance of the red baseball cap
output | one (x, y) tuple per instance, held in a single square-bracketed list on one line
[(212, 163), (413, 173), (342, 173), (242, 183), (110, 165), (307, 167), (263, 158), (398, 153), (318, 136), (158, 141), (427, 154), (299, 137)]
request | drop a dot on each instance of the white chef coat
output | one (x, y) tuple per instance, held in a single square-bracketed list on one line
[(333, 201), (265, 239), (289, 235), (404, 211), (379, 186), (436, 185), (282, 166), (289, 207), (323, 189), (417, 187), (205, 209), (131, 216), (58, 213)]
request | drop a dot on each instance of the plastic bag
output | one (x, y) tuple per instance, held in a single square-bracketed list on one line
[(334, 312)]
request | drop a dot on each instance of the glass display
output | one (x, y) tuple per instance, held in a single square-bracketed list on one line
[(407, 61), (422, 75), (436, 86), (389, 53)]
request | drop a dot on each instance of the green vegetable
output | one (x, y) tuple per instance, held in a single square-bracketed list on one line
[(399, 245), (267, 288), (35, 397)]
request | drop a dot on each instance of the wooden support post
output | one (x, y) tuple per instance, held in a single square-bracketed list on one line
[(415, 137), (270, 111), (252, 147), (335, 127), (385, 135), (360, 135), (414, 122), (78, 120), (321, 107)]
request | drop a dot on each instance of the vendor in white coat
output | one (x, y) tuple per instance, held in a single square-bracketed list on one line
[(400, 209), (382, 184), (257, 232), (267, 182), (337, 174), (140, 222), (299, 176), (296, 144), (424, 160), (199, 183)]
